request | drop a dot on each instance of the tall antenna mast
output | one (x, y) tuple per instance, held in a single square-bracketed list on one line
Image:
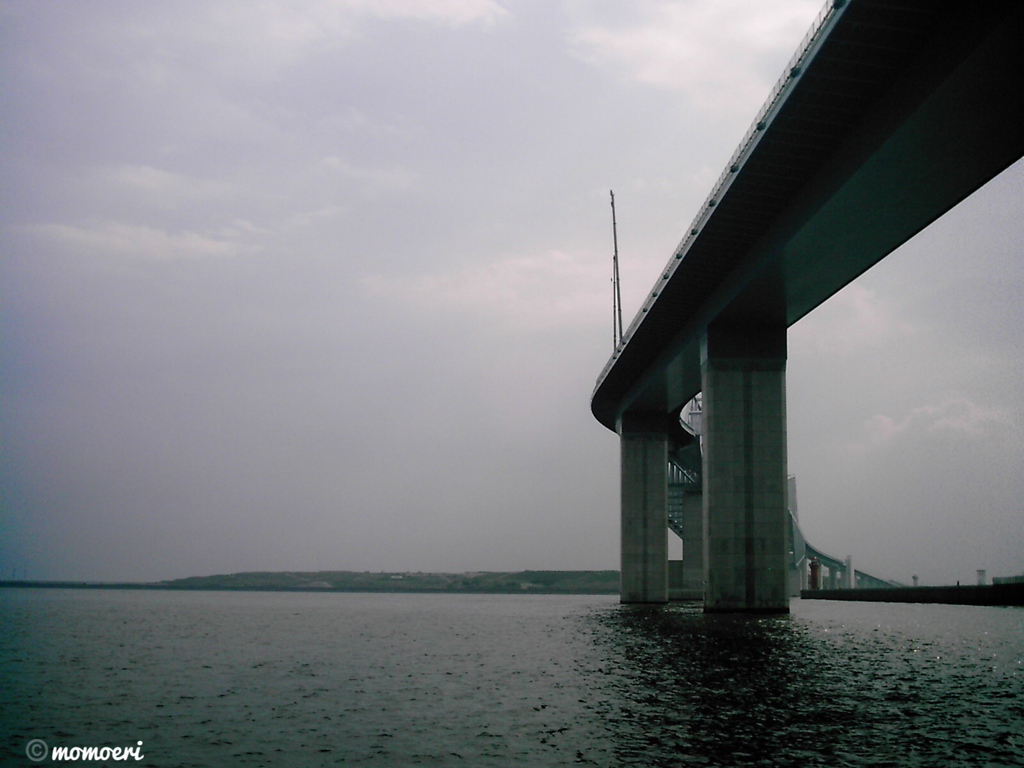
[(617, 329)]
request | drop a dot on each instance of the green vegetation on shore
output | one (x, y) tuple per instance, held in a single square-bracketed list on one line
[(546, 582), (521, 582)]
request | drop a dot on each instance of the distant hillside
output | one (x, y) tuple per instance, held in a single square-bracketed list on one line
[(543, 582)]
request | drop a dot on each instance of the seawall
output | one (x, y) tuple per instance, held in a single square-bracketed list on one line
[(992, 594)]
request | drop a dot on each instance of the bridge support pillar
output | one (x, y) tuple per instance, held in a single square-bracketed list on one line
[(743, 373), (693, 545), (644, 565)]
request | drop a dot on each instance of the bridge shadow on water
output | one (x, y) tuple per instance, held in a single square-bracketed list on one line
[(684, 688)]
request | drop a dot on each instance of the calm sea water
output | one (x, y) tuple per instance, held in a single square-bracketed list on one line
[(270, 679)]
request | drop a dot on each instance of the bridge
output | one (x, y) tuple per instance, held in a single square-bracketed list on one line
[(889, 114)]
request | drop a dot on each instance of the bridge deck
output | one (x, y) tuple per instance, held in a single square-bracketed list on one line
[(891, 113)]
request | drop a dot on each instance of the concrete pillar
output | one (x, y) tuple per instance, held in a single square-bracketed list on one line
[(643, 441), (743, 375), (693, 545), (675, 579), (851, 574)]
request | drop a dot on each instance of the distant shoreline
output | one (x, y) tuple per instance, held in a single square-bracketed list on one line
[(501, 583), (520, 582)]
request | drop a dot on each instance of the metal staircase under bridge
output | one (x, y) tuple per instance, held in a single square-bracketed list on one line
[(807, 563)]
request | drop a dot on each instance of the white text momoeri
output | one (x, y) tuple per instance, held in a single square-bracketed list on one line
[(37, 750)]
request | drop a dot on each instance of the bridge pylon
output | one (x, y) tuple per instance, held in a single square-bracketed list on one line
[(746, 538), (643, 440)]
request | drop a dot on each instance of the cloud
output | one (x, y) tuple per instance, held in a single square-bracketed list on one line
[(323, 214), (167, 188), (371, 181), (853, 321), (233, 41), (722, 54), (529, 292), (115, 238), (262, 38), (453, 13), (953, 417), (356, 121)]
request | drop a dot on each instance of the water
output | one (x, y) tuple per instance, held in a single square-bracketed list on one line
[(271, 679)]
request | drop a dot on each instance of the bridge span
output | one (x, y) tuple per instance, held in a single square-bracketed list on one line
[(889, 114)]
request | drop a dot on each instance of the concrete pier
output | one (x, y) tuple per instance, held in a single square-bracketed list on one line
[(745, 475), (692, 586), (644, 565), (686, 576)]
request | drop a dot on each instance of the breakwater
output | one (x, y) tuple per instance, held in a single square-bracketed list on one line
[(990, 594)]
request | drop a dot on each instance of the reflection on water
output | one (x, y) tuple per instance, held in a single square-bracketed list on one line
[(707, 689), (882, 686), (258, 679)]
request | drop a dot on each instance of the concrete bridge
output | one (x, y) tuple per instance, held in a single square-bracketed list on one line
[(889, 114)]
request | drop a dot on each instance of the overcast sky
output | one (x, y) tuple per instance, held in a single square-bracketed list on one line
[(324, 285)]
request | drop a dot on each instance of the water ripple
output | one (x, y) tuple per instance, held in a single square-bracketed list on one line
[(221, 679)]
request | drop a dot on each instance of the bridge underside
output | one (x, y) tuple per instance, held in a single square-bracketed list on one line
[(894, 112)]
